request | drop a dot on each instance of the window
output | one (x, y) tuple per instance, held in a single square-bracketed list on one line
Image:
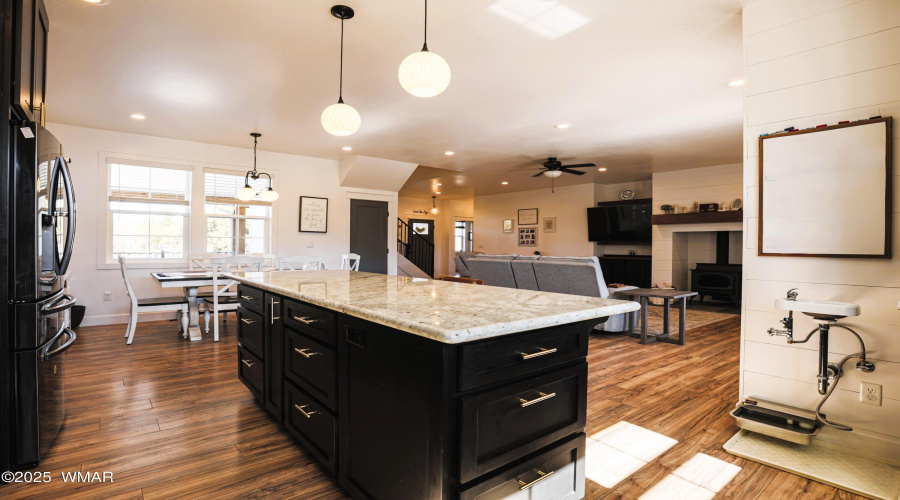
[(149, 209), (463, 236), (235, 226)]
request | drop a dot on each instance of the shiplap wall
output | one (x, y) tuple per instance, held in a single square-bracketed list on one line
[(812, 62), (675, 248)]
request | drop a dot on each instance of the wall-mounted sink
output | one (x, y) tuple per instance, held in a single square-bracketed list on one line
[(823, 309)]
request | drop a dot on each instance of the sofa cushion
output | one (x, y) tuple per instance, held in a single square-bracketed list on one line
[(494, 270), (523, 271)]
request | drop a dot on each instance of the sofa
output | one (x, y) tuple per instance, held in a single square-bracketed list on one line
[(461, 263), (570, 275)]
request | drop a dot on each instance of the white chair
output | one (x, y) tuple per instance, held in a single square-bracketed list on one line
[(158, 304), (300, 262), (350, 261), (223, 298), (202, 260)]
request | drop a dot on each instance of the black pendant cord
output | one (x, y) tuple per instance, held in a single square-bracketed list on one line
[(255, 139), (425, 45), (341, 84)]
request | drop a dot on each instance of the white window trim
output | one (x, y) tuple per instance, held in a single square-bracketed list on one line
[(196, 236), (241, 173)]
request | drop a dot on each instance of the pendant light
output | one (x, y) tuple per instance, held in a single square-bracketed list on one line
[(341, 119), (434, 208), (247, 193), (424, 73)]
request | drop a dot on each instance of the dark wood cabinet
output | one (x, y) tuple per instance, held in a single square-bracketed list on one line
[(29, 84), (632, 270), (400, 416)]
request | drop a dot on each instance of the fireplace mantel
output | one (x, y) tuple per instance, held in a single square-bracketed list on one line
[(698, 218)]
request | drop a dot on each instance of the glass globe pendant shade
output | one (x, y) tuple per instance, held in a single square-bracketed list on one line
[(246, 193), (434, 210), (424, 74), (552, 173), (269, 195), (341, 119)]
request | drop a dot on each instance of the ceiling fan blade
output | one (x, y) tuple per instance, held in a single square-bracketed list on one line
[(539, 173), (576, 172), (580, 165)]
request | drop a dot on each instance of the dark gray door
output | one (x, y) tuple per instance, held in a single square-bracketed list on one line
[(422, 227), (368, 234)]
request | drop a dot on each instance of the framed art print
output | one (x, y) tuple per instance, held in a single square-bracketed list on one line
[(508, 226), (528, 216), (313, 214), (549, 224)]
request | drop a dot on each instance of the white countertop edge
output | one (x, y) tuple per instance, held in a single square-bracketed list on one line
[(451, 336)]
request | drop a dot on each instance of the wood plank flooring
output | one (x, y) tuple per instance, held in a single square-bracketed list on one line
[(170, 419)]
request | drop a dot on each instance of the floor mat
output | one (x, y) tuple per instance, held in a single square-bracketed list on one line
[(819, 462)]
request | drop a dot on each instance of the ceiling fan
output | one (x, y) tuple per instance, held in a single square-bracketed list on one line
[(554, 168)]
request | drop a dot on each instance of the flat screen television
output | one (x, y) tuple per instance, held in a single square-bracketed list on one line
[(625, 224)]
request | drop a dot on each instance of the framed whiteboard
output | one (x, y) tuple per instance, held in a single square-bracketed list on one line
[(826, 192), (313, 214)]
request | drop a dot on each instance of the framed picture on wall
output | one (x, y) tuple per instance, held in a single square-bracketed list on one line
[(527, 236), (528, 216), (508, 226), (313, 214), (549, 224)]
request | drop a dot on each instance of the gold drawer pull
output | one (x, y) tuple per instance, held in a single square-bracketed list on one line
[(307, 414), (544, 397), (524, 486), (247, 297), (307, 354), (542, 352), (249, 364), (306, 320), (245, 320)]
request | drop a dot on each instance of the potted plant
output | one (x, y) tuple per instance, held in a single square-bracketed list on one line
[(667, 208)]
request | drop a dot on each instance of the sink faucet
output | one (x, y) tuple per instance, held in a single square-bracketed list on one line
[(792, 294), (787, 323)]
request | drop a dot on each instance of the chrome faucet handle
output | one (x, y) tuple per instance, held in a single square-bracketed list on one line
[(774, 332), (792, 294)]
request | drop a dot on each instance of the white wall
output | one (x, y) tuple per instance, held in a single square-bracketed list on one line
[(678, 247), (811, 62), (613, 192), (294, 176), (568, 204)]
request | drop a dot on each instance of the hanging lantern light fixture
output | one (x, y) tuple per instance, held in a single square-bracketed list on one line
[(424, 73), (341, 119), (247, 193), (434, 208)]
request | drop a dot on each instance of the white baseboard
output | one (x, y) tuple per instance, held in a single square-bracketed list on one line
[(122, 319)]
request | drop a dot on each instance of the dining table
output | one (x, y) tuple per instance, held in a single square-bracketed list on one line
[(190, 281)]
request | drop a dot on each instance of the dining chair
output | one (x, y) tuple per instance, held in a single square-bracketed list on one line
[(223, 298), (350, 261), (201, 260), (300, 263), (156, 304)]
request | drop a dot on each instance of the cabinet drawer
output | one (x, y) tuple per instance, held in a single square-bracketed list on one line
[(251, 371), (311, 365), (318, 323), (311, 424), (505, 424), (251, 298), (250, 330), (554, 474), (509, 357)]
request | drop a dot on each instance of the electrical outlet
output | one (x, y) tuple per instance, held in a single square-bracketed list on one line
[(107, 296), (310, 244), (870, 394)]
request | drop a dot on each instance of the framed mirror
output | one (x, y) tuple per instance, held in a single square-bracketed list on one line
[(826, 192)]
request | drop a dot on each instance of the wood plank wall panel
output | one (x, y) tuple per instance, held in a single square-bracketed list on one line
[(809, 63)]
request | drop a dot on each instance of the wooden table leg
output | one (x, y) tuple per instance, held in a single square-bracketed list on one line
[(190, 293), (644, 320), (682, 316), (632, 318), (666, 306)]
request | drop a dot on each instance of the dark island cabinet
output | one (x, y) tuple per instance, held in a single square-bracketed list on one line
[(400, 416)]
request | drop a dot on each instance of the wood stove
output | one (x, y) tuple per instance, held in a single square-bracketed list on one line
[(720, 280)]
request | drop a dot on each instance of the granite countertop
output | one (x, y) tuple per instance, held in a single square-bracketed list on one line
[(445, 311)]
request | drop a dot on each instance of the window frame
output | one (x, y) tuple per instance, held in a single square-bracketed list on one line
[(270, 226)]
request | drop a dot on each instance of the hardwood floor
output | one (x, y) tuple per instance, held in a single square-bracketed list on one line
[(170, 419)]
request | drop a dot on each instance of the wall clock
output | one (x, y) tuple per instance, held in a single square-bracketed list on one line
[(627, 194)]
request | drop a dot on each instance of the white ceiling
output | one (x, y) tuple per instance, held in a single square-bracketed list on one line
[(642, 81)]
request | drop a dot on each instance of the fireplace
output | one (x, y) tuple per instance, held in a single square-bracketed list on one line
[(720, 280)]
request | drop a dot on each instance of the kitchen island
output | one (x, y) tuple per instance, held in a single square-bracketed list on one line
[(419, 389)]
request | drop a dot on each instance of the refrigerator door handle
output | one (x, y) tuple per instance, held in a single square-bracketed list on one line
[(50, 309), (47, 354)]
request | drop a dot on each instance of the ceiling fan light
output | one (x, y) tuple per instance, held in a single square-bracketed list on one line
[(424, 74), (246, 193), (269, 195), (552, 173), (341, 119)]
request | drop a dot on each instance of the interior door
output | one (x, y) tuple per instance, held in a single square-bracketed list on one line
[(63, 211), (368, 234)]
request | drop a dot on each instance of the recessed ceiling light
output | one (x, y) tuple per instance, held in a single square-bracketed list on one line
[(504, 183), (347, 148), (735, 83), (136, 116), (437, 192), (563, 125), (448, 153), (601, 169), (438, 184), (97, 2)]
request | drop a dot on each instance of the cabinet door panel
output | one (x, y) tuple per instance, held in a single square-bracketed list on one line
[(311, 365), (250, 331), (23, 80), (273, 344)]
